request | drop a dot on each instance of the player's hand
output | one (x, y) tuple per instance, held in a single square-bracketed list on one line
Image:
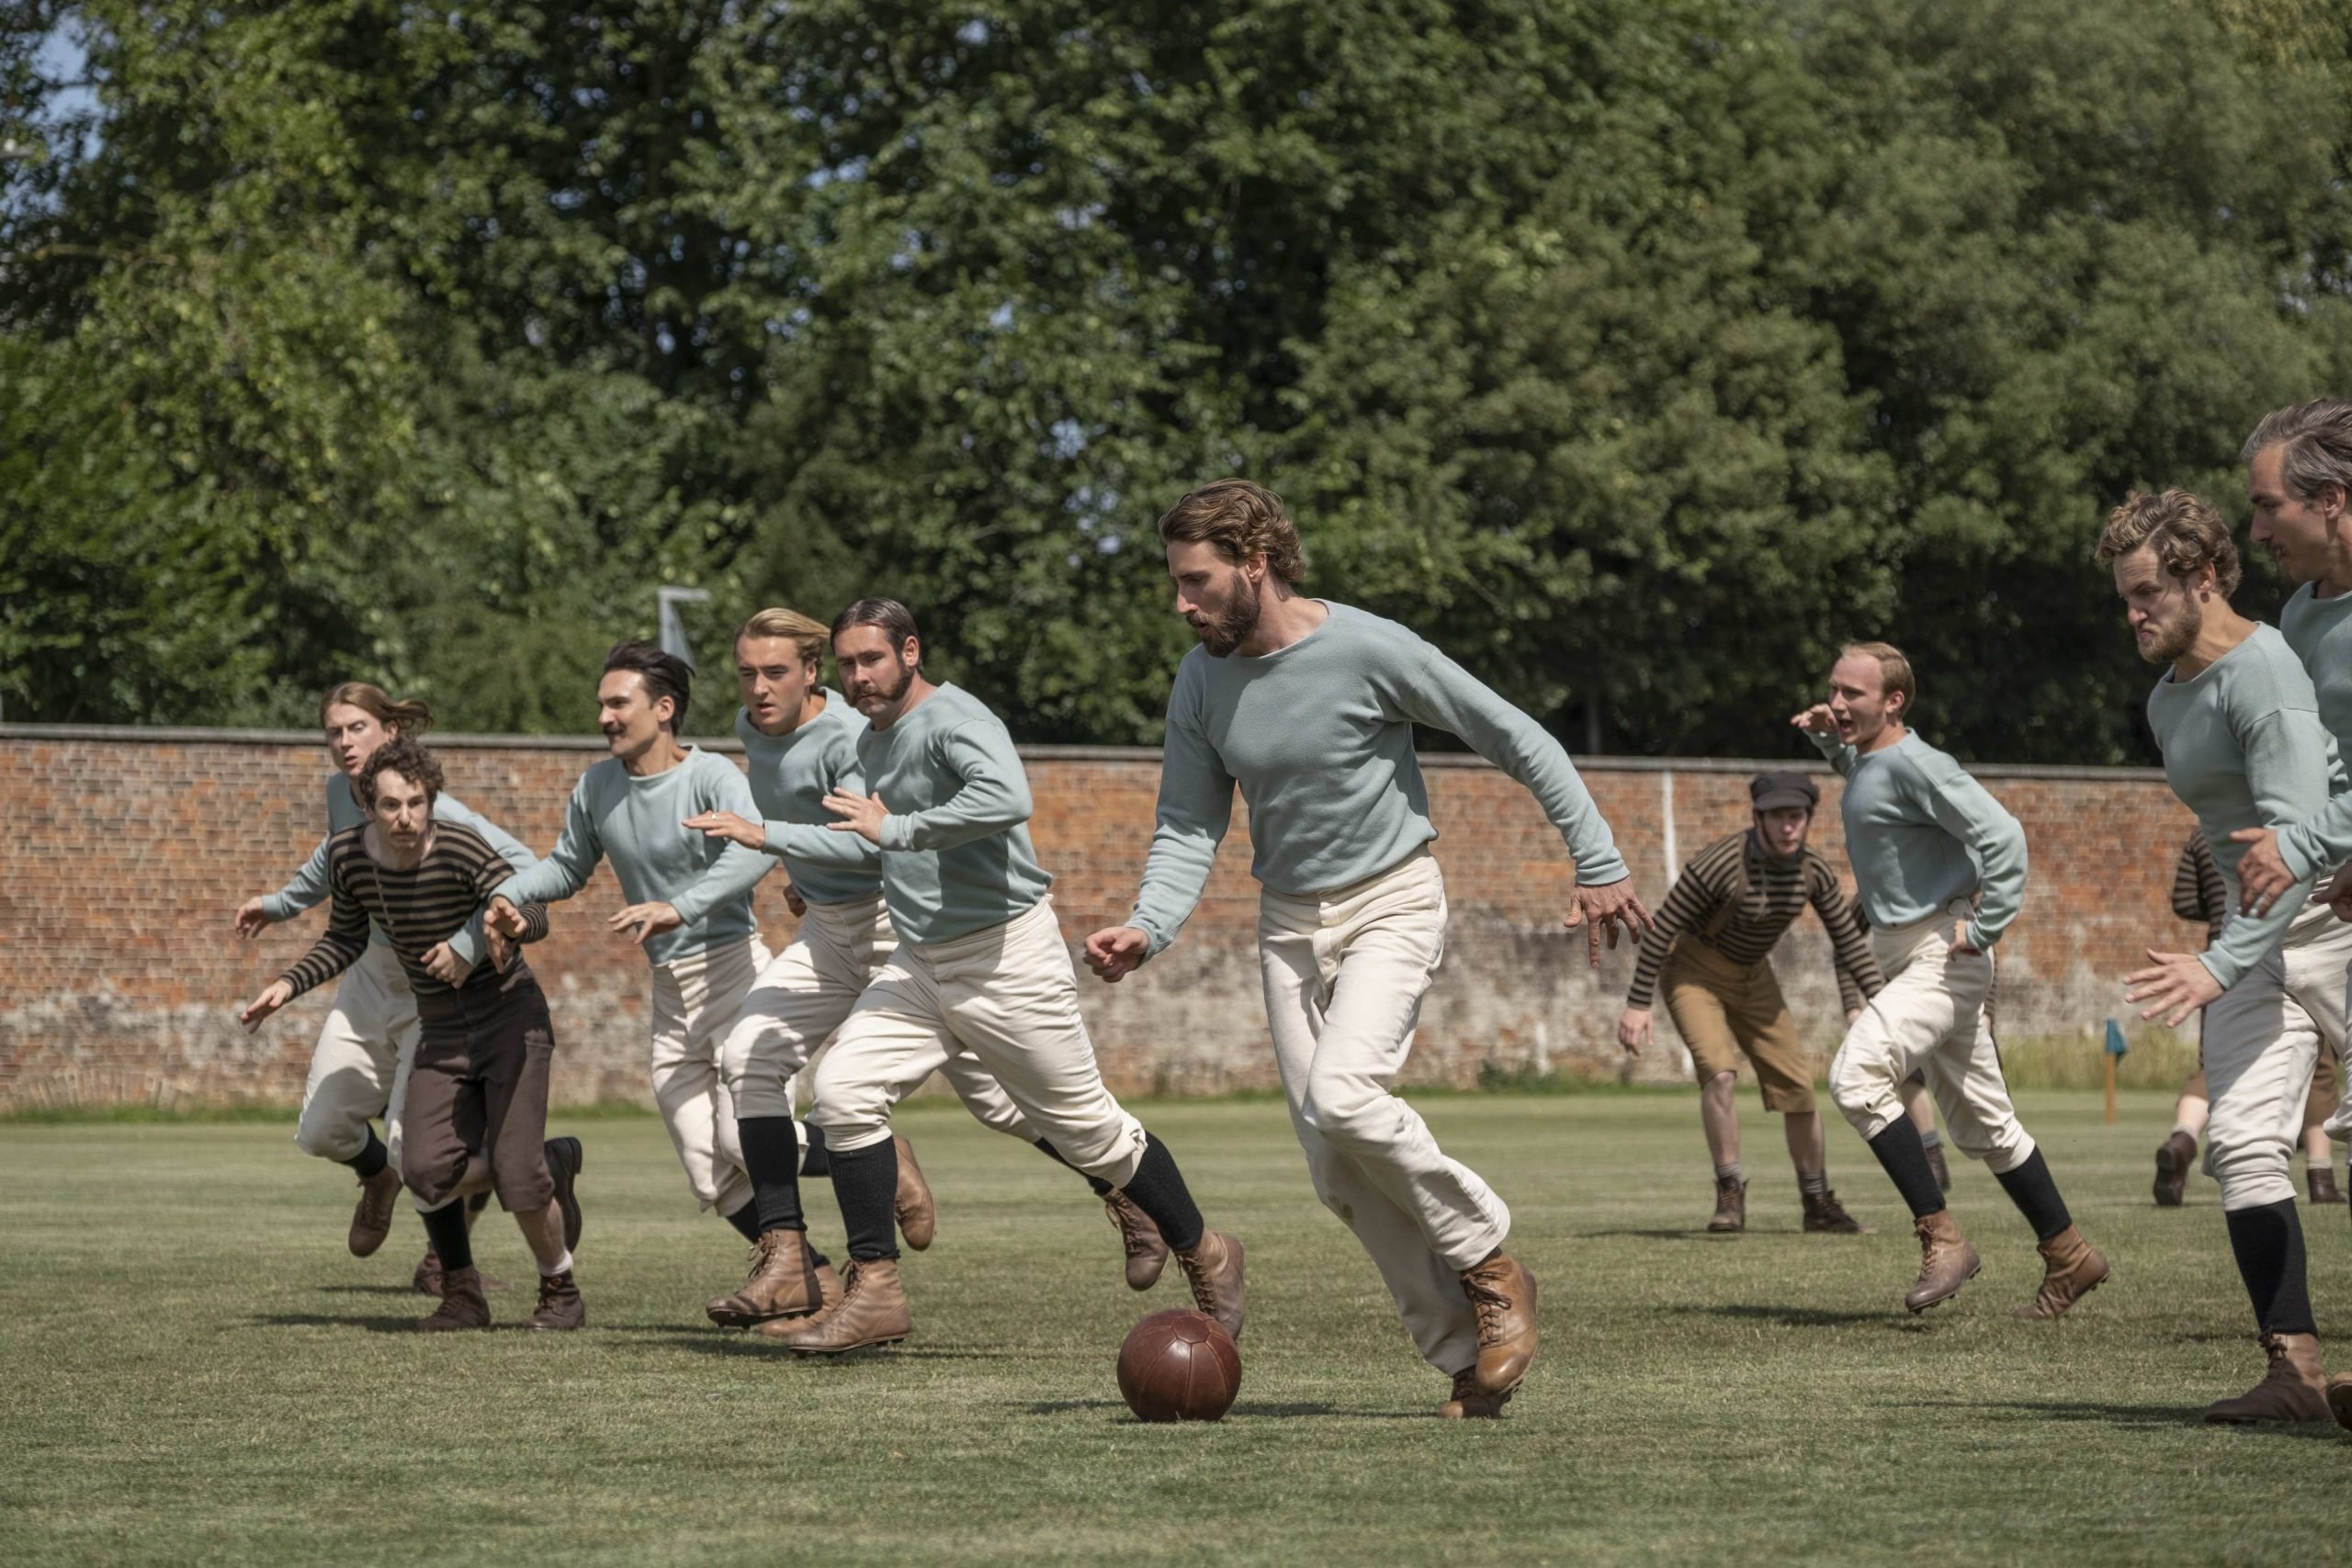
[(251, 921), (1816, 720), (500, 949), (859, 814), (1117, 952), (735, 829), (2262, 875), (1961, 946), (1634, 1029), (276, 995), (443, 963), (1854, 1016), (794, 902), (502, 916), (2174, 985), (2339, 892), (1605, 908), (642, 920)]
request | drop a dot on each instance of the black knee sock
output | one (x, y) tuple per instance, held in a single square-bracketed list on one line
[(1102, 1188), (816, 1161), (477, 1203), (747, 1220), (446, 1227), (2032, 1189), (2268, 1242), (865, 1184), (1159, 1189), (1905, 1157), (372, 1159), (772, 1159)]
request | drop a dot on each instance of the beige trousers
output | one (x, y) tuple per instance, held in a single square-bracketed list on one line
[(359, 1068), (1344, 973), (695, 1002), (1930, 1018), (2262, 1039), (1003, 1000), (804, 995)]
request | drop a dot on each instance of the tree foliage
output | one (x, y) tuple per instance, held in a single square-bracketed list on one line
[(1638, 352)]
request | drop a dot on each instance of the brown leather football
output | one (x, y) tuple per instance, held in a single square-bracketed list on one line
[(1179, 1365)]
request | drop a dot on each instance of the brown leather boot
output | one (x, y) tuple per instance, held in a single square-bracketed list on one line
[(462, 1305), (1936, 1163), (2070, 1269), (783, 1283), (427, 1278), (872, 1311), (561, 1308), (917, 1216), (2294, 1388), (2339, 1400), (1146, 1248), (371, 1221), (1214, 1269), (1731, 1205), (2175, 1156), (2321, 1179), (1945, 1261), (1469, 1403), (1503, 1292), (1823, 1213)]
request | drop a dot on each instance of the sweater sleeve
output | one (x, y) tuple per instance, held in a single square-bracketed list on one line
[(2322, 840), (1438, 692), (468, 943), (302, 891), (2284, 750), (568, 866), (1840, 756), (1967, 810), (1688, 902), (813, 841), (1195, 809), (338, 947), (991, 796), (721, 786)]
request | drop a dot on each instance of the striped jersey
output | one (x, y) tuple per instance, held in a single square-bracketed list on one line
[(416, 910), (1738, 900), (2198, 891)]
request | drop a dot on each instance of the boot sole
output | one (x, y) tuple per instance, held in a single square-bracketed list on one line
[(845, 1350), (753, 1319), (1136, 1284), (2172, 1180), (1938, 1301)]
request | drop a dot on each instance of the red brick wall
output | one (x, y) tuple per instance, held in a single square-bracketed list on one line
[(126, 853)]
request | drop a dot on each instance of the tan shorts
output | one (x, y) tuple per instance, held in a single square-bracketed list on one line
[(1726, 1010)]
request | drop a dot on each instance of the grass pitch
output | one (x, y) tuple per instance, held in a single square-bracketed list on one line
[(192, 1370)]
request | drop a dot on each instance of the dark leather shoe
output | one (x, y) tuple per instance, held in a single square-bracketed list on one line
[(1823, 1213), (2322, 1182), (371, 1221), (2294, 1387), (1146, 1248), (1731, 1205), (2174, 1156), (461, 1304), (560, 1309), (1215, 1271)]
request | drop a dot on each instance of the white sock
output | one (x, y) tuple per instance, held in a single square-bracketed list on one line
[(561, 1266), (1932, 1138)]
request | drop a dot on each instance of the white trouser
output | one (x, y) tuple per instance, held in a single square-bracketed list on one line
[(1344, 974), (802, 997), (2262, 1041), (1929, 1017), (696, 1000), (1004, 1000), (360, 1067)]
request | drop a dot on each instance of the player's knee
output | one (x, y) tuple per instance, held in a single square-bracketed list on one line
[(323, 1137), (1350, 1112), (2251, 1170)]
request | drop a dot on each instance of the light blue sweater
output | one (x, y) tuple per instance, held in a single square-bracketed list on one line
[(1921, 833), (2319, 632), (2244, 748), (639, 825), (956, 851), (791, 776), (1318, 736), (308, 888)]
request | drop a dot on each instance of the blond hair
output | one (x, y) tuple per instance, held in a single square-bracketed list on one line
[(1893, 670), (808, 637), (2187, 534), (411, 717), (1239, 519)]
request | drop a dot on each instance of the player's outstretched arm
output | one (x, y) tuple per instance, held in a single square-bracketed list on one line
[(1117, 951), (1607, 907)]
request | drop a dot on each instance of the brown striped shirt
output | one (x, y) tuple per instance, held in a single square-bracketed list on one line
[(1708, 903), (2198, 891), (416, 910)]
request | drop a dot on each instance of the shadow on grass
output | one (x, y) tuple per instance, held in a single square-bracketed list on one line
[(373, 1290), (2130, 1416), (1696, 1232), (1245, 1411), (324, 1320), (735, 1342), (1804, 1317)]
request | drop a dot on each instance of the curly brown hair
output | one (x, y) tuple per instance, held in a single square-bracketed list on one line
[(1239, 519), (2187, 534), (405, 756)]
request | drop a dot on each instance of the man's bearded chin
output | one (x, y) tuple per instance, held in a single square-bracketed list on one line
[(1223, 635), (2169, 645), (892, 692)]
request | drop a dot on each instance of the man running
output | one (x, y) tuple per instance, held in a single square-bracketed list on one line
[(480, 1076), (1712, 948), (359, 1068), (980, 969), (1926, 839), (1307, 707)]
